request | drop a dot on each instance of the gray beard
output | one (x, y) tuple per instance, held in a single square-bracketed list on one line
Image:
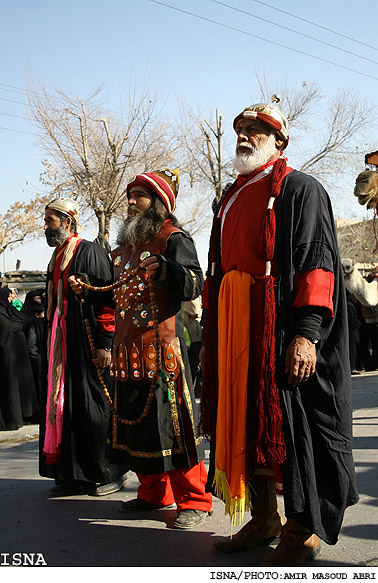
[(248, 162), (56, 237), (138, 230)]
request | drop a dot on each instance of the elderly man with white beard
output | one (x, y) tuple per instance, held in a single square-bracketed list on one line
[(276, 394)]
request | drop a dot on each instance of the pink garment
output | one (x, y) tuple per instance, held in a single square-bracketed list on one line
[(53, 436)]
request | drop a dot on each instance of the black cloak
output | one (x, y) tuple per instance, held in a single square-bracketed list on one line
[(319, 475), (18, 400), (35, 334), (86, 411), (30, 303)]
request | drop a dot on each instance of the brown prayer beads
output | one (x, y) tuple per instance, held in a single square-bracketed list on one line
[(125, 276)]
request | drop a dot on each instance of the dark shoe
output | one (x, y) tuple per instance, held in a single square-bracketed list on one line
[(110, 487), (71, 488), (294, 555), (10, 428), (190, 518), (140, 505)]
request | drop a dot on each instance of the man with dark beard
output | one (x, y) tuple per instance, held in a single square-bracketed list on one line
[(74, 427), (154, 429), (276, 394)]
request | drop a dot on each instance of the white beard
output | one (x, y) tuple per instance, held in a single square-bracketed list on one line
[(247, 162)]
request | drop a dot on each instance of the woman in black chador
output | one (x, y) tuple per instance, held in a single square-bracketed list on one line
[(18, 399), (34, 307)]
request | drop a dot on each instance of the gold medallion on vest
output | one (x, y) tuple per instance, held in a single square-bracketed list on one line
[(134, 351)]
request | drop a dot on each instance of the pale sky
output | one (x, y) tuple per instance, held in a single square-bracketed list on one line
[(209, 59)]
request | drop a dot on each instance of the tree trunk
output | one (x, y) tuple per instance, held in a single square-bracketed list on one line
[(101, 237)]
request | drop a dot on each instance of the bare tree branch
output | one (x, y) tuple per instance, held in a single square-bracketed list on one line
[(203, 152), (22, 222), (98, 154)]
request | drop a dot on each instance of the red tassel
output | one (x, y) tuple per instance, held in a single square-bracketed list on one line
[(278, 174), (270, 438), (269, 233), (270, 447)]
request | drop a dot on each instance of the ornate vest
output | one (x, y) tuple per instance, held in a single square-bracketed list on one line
[(133, 355)]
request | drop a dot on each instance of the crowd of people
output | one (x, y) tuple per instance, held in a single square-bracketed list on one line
[(363, 336), (133, 336), (21, 338)]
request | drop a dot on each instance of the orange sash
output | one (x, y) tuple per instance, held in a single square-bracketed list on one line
[(231, 481)]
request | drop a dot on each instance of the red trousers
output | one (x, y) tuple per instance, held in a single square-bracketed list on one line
[(185, 487)]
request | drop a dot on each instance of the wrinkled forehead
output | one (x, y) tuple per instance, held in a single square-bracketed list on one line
[(253, 124), (140, 191), (50, 213)]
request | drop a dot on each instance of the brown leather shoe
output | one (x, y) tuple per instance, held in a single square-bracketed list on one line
[(295, 549), (264, 526), (250, 536)]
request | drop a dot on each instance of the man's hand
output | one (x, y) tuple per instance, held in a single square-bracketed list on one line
[(76, 287), (103, 358), (300, 361), (151, 265)]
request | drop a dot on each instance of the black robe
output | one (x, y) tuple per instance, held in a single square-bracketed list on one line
[(34, 335), (18, 399), (86, 411), (319, 475), (34, 338)]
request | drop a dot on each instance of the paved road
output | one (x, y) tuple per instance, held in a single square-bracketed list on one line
[(91, 532)]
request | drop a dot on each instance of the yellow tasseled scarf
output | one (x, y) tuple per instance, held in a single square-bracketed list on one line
[(231, 479)]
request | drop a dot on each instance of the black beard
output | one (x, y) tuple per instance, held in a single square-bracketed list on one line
[(140, 229), (56, 237)]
